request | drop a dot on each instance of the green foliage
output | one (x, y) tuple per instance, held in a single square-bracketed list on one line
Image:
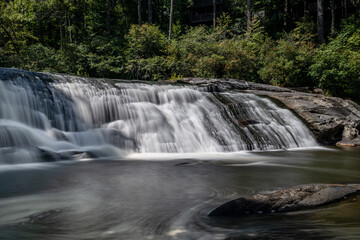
[(98, 38), (242, 61), (147, 68), (202, 52), (101, 57), (287, 62), (145, 47), (175, 77), (337, 65), (145, 41), (16, 18), (41, 58)]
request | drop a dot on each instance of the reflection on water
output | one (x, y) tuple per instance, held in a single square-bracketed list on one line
[(171, 199)]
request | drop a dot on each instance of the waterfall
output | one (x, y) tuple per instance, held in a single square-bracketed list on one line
[(53, 116)]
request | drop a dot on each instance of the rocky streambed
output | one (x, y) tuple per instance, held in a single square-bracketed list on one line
[(332, 120)]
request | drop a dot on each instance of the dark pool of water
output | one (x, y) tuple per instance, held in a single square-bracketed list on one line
[(135, 199)]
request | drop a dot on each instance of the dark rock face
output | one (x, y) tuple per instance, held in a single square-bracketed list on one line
[(293, 199), (330, 119)]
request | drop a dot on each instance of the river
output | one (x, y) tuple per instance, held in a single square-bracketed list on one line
[(170, 198)]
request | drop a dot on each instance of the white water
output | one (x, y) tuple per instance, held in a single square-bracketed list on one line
[(88, 118)]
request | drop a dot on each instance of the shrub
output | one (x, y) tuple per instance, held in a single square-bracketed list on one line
[(40, 58), (209, 54), (145, 41), (146, 45), (337, 65), (287, 62)]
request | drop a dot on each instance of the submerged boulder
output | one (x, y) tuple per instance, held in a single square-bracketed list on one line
[(287, 200)]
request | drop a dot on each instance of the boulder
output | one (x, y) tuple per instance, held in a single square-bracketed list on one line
[(286, 200)]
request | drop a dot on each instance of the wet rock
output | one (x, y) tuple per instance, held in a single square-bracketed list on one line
[(330, 119), (287, 200), (231, 84), (348, 143), (47, 155)]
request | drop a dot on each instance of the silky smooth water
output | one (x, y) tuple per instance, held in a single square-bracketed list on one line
[(170, 199), (47, 117)]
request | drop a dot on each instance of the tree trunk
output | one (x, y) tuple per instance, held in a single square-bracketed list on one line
[(345, 8), (171, 17), (248, 15), (65, 26), (150, 11), (332, 5), (320, 20), (70, 32), (214, 13), (61, 35), (139, 12), (286, 12), (108, 16)]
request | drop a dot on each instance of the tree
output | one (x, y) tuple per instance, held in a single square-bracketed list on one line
[(286, 13), (150, 11), (171, 17), (139, 12), (332, 5), (108, 16), (248, 14), (320, 20), (214, 13)]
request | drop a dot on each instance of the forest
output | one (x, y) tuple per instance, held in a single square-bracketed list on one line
[(292, 43)]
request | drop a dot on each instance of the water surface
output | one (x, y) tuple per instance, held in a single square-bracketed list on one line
[(170, 198)]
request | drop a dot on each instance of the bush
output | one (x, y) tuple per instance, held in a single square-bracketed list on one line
[(101, 57), (40, 58), (242, 59), (287, 63), (208, 53), (209, 66), (337, 65), (146, 45), (337, 71), (145, 41)]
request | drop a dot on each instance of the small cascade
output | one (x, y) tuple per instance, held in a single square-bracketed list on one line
[(61, 116)]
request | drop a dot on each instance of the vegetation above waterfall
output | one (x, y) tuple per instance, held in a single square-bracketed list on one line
[(280, 44)]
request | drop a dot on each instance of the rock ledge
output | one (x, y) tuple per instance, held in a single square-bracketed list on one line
[(330, 119)]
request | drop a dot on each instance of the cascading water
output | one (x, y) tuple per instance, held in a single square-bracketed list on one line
[(47, 116)]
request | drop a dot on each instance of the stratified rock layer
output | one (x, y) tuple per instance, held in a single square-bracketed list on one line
[(293, 199), (332, 120)]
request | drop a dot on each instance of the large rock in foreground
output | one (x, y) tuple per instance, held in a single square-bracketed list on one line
[(293, 199), (332, 120)]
